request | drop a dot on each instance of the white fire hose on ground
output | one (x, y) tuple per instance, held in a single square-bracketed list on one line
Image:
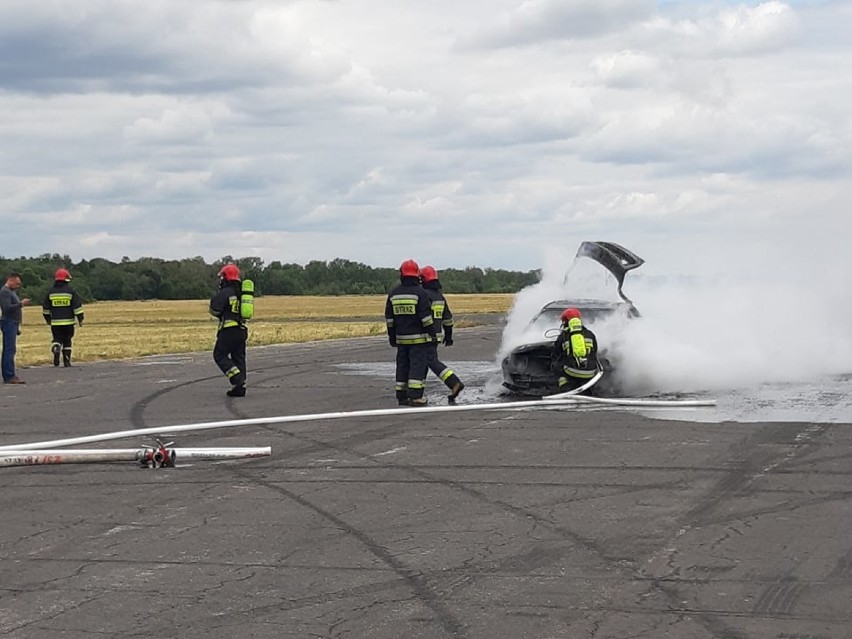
[(15, 450), (147, 457)]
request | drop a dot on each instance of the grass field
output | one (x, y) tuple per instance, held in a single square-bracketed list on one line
[(119, 330)]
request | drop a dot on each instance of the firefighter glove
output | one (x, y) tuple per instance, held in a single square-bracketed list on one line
[(448, 341)]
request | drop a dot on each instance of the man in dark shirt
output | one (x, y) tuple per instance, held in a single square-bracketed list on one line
[(11, 316)]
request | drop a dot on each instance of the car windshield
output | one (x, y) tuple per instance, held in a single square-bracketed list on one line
[(552, 316)]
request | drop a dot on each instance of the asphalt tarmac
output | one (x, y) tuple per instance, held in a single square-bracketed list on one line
[(512, 524)]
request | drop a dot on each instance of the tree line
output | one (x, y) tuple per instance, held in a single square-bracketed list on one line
[(193, 278)]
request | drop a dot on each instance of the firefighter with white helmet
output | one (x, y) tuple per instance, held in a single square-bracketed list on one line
[(229, 353), (62, 310), (411, 330)]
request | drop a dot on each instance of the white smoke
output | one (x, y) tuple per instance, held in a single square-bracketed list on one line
[(743, 319), (519, 327)]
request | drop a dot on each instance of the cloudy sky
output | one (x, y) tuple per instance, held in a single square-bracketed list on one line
[(474, 132)]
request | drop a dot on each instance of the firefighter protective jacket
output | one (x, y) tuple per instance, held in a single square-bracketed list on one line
[(62, 306), (408, 314), (441, 313), (584, 364), (225, 305)]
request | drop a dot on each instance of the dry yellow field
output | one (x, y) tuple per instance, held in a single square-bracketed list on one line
[(119, 330)]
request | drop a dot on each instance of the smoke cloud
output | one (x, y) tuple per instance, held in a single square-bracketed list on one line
[(750, 315)]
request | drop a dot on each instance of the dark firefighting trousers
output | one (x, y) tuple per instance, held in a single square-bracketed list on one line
[(229, 353), (568, 382), (410, 370), (444, 373), (62, 336)]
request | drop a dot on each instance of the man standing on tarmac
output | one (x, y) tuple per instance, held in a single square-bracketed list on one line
[(62, 308), (11, 316), (411, 330), (229, 353), (443, 319)]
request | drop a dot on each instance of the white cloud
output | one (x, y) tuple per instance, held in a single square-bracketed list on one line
[(484, 132), (628, 69), (759, 29), (535, 21)]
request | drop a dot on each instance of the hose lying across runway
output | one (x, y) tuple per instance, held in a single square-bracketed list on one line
[(564, 399), (144, 456)]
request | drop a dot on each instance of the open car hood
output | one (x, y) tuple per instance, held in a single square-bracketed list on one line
[(614, 258)]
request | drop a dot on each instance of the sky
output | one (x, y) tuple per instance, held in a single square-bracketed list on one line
[(487, 133)]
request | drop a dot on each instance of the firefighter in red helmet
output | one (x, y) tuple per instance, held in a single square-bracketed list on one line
[(62, 310), (411, 330), (443, 319), (229, 353), (575, 352)]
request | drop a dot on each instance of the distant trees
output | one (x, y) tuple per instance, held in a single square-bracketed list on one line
[(193, 278)]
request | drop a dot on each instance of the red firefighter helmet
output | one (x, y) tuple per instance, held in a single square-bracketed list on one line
[(409, 268), (569, 314), (229, 272), (428, 274), (62, 275)]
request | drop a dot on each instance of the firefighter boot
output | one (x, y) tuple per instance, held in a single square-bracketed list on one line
[(55, 349), (66, 357), (420, 401), (237, 391), (457, 388)]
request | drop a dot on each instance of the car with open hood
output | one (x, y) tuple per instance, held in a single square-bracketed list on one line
[(526, 368)]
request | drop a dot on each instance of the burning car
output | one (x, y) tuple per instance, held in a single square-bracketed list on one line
[(526, 368)]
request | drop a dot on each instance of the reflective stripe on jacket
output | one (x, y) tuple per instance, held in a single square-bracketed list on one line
[(62, 306), (576, 350), (441, 313), (408, 314), (225, 306)]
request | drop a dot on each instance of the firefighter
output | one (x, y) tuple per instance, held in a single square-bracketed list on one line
[(62, 309), (411, 330), (442, 316), (575, 352), (229, 353)]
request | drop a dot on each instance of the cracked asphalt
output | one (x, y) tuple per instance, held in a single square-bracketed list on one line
[(517, 524)]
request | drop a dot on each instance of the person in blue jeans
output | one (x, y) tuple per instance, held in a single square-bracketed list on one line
[(10, 323)]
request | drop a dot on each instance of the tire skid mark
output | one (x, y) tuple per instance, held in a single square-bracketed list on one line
[(789, 506), (711, 621), (780, 598), (758, 463), (843, 569), (461, 487), (137, 411), (412, 578), (734, 482), (459, 573), (418, 585)]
